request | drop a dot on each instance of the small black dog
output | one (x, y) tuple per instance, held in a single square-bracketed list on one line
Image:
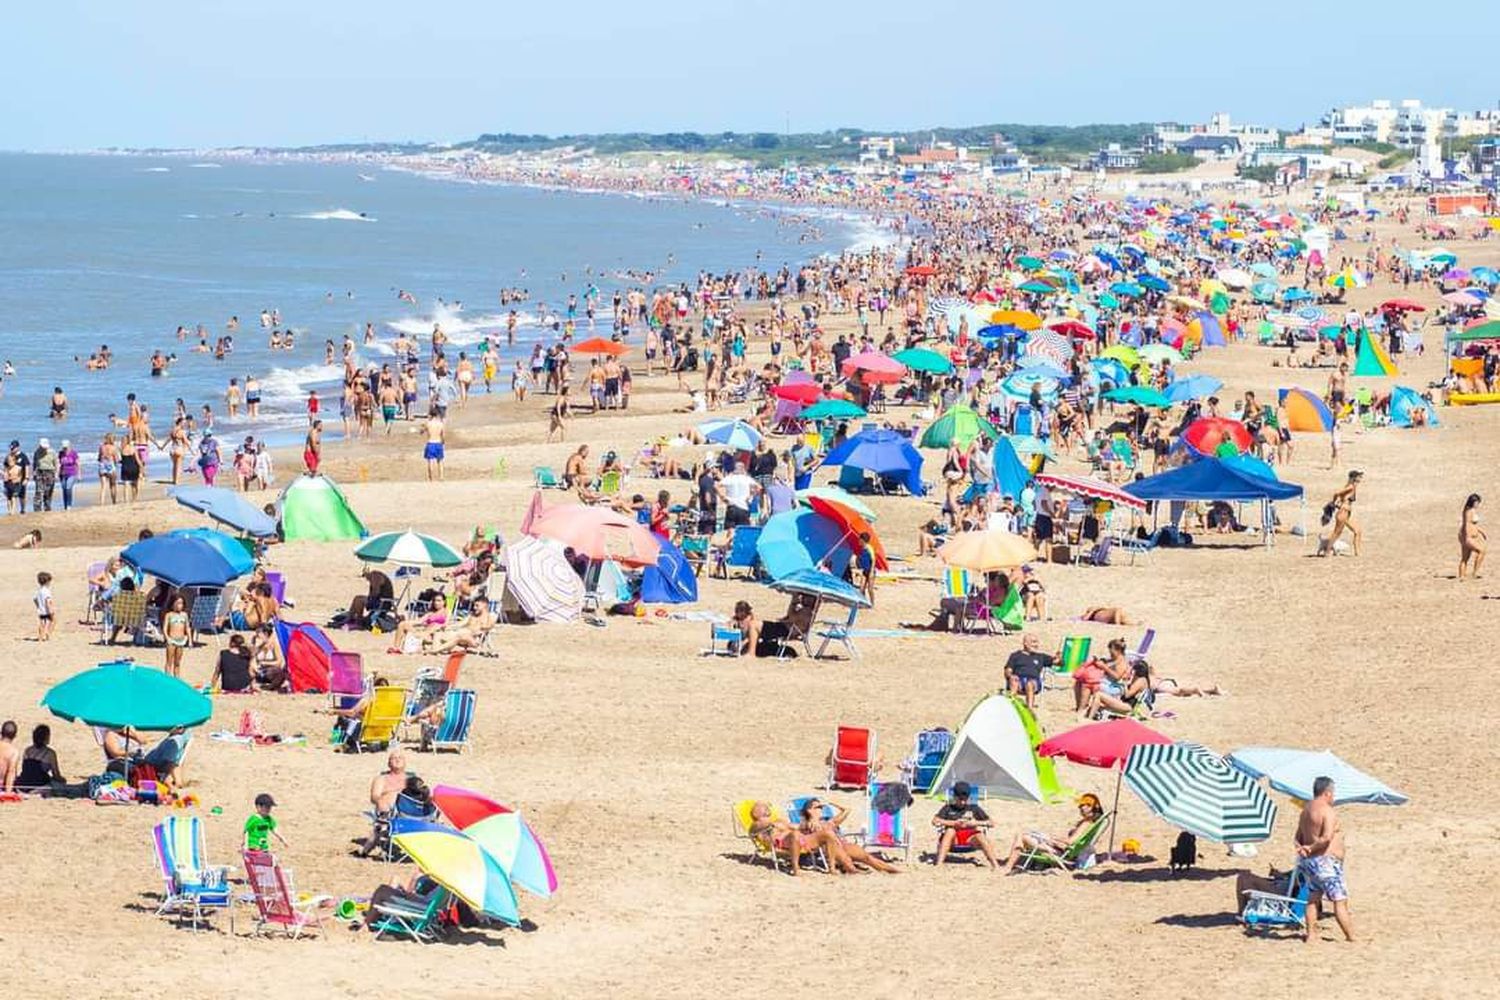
[(1184, 852)]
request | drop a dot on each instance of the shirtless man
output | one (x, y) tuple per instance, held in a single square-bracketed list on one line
[(1320, 859), (389, 783), (312, 448), (10, 757), (433, 452), (787, 840)]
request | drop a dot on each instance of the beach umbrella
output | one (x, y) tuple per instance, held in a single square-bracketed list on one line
[(1296, 295), (1019, 385), (833, 409), (735, 434), (1142, 395), (598, 345), (1128, 289), (1264, 269), (1462, 299), (1029, 445), (993, 333), (227, 507), (1293, 772), (1455, 274), (1265, 291), (1153, 283), (1037, 288), (180, 561), (1123, 353), (1035, 365), (1485, 275), (1049, 345), (823, 586), (599, 533), (1192, 387), (232, 549), (986, 551), (1110, 370), (1155, 354), (461, 865), (798, 392), (1195, 790), (408, 548), (801, 539), (1073, 328), (1019, 318), (1206, 435), (541, 580), (1108, 301), (1234, 277), (1346, 280), (921, 359), (874, 367), (1094, 489), (1481, 329), (502, 832), (853, 525), (1105, 745), (115, 695), (921, 270), (839, 496), (1030, 263), (1401, 305), (959, 424), (882, 452)]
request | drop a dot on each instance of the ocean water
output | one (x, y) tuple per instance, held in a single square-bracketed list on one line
[(122, 250)]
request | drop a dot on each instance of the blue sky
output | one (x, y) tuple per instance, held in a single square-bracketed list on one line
[(85, 73)]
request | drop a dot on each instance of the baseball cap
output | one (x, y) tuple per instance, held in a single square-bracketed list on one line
[(961, 789), (264, 801)]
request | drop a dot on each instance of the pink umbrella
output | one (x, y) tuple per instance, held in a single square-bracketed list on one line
[(873, 366), (599, 533), (533, 511)]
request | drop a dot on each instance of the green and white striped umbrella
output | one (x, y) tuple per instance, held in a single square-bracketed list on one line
[(1193, 788), (407, 548)]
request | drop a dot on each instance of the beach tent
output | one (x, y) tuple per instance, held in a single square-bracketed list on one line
[(1404, 401), (1371, 360), (539, 583), (1011, 474), (883, 453), (671, 580), (314, 509), (1305, 411), (993, 753), (959, 424), (306, 650)]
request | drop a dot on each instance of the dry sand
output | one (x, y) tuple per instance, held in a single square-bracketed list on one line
[(625, 749)]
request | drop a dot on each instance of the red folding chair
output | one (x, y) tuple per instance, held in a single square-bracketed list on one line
[(278, 908), (852, 761)]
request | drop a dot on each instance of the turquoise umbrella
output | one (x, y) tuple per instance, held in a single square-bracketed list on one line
[(920, 359), (128, 694), (1144, 395), (833, 409)]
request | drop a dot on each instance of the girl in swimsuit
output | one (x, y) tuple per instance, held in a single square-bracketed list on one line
[(175, 629), (1472, 540)]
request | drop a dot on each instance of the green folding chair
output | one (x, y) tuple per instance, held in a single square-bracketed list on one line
[(1074, 653), (1077, 854)]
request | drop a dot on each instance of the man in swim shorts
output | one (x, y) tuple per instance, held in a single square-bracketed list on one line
[(433, 451), (1320, 859)]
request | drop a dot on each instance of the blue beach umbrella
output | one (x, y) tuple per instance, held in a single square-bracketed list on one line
[(1110, 370), (1294, 771), (181, 562), (823, 586), (226, 507), (1192, 387), (1154, 283), (801, 539), (734, 434), (233, 551)]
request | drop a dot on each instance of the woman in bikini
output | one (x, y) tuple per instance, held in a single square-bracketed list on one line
[(814, 823), (177, 447), (174, 628), (1090, 811), (1472, 540), (109, 468), (785, 839), (1340, 510)]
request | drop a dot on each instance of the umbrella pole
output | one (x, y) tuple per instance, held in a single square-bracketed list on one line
[(1114, 815)]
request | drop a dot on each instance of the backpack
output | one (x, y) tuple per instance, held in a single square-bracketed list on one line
[(1184, 852)]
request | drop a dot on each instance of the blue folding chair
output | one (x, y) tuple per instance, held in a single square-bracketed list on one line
[(928, 751), (742, 549), (458, 715)]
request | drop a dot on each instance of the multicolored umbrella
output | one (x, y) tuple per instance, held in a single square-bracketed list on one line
[(502, 832), (1046, 344), (123, 693), (407, 548), (853, 525), (541, 581), (1194, 789), (838, 496), (461, 865)]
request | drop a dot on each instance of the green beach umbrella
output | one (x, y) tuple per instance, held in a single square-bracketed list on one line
[(959, 424), (833, 409), (1123, 353), (1144, 395), (921, 359), (407, 548), (128, 694), (1030, 263), (1108, 301), (1157, 353), (1037, 288)]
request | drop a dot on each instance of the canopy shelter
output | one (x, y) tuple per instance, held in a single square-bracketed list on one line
[(313, 508), (1409, 408), (1211, 479), (1305, 411), (671, 579), (993, 753)]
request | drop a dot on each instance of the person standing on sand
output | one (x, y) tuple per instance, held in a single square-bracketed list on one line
[(433, 452), (1320, 859), (312, 448), (1340, 511), (1472, 540)]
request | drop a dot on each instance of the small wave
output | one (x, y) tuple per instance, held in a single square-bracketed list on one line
[(460, 328), (206, 166), (337, 214), (288, 382), (156, 170)]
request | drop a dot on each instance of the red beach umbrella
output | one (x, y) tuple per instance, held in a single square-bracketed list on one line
[(1207, 435)]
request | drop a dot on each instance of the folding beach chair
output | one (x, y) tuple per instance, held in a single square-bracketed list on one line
[(764, 850), (851, 762), (956, 587), (1079, 854), (695, 551), (406, 813), (929, 749), (126, 612), (609, 483), (1145, 646), (346, 679), (543, 478), (1011, 612), (886, 830), (834, 631), (742, 549), (202, 612), (377, 728), (1074, 653), (93, 610), (458, 716), (723, 640), (277, 582), (1266, 911), (277, 906), (401, 918), (194, 888)]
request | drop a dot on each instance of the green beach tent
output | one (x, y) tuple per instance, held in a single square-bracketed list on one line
[(314, 509), (1371, 359), (958, 424)]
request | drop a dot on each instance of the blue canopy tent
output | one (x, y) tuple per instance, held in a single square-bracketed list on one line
[(884, 453), (1211, 479), (671, 579), (801, 539)]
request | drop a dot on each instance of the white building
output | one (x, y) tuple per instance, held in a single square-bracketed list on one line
[(1170, 137), (875, 148), (1408, 124)]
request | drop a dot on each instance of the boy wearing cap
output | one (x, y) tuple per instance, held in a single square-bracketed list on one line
[(962, 824), (261, 826)]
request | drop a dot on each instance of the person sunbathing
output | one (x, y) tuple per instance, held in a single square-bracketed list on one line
[(467, 634), (790, 842), (1107, 615), (1090, 810), (813, 822)]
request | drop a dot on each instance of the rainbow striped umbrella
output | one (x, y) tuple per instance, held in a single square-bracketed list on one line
[(465, 868), (503, 834)]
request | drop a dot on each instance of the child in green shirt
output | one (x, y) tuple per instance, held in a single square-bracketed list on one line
[(261, 826)]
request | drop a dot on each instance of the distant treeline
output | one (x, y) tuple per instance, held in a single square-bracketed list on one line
[(1041, 142)]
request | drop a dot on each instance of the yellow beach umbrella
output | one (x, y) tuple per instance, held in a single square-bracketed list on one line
[(984, 551), (1019, 318)]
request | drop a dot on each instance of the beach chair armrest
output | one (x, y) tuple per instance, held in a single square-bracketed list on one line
[(1261, 894)]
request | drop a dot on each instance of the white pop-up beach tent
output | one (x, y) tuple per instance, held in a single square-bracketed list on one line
[(993, 753)]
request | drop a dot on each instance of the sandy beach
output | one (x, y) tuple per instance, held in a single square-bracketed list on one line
[(625, 748)]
